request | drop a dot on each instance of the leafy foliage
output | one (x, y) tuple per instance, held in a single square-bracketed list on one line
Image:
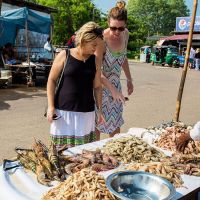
[(71, 15), (145, 18), (157, 16)]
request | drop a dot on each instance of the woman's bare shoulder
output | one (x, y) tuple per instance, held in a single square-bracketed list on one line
[(106, 33), (100, 47), (62, 54), (126, 32)]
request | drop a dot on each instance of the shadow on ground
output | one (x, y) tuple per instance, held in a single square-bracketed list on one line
[(16, 92)]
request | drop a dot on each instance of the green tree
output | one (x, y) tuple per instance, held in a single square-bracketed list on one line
[(158, 16), (137, 33), (70, 15)]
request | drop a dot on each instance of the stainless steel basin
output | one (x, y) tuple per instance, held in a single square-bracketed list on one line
[(139, 185)]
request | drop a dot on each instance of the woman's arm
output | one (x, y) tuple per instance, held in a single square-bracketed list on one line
[(126, 68), (56, 69), (98, 92), (98, 87), (128, 77), (106, 83)]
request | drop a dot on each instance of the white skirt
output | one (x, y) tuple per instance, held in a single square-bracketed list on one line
[(73, 128)]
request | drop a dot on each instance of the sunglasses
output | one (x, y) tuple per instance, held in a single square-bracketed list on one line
[(113, 28), (98, 32)]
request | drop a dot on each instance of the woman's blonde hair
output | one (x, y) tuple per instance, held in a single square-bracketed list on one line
[(87, 33)]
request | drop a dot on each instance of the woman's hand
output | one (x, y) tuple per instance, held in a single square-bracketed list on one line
[(100, 117), (182, 141), (117, 96), (130, 87), (50, 113)]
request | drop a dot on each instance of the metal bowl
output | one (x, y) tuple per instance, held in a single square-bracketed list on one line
[(139, 185)]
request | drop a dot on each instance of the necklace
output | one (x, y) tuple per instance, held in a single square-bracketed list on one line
[(80, 55)]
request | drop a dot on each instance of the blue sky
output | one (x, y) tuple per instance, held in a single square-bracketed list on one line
[(105, 5), (189, 3)]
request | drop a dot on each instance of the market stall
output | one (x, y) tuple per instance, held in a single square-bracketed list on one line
[(21, 184), (23, 19)]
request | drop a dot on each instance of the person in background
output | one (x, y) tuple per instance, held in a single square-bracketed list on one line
[(71, 41), (184, 138), (72, 112), (148, 54), (191, 58), (9, 55), (111, 54), (48, 49), (197, 59)]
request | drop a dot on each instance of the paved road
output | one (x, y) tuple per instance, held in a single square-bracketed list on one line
[(153, 102)]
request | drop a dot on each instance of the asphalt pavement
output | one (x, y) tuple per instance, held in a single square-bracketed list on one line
[(153, 102)]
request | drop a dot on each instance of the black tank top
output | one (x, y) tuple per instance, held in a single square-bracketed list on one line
[(76, 88)]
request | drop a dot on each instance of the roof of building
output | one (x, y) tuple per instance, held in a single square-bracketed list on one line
[(31, 5), (181, 37)]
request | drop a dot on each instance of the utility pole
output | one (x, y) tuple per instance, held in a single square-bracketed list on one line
[(185, 68), (0, 6)]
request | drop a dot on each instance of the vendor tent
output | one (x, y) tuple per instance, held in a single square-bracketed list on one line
[(22, 18)]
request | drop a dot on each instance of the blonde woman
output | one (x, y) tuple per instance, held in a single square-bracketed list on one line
[(111, 54), (79, 90)]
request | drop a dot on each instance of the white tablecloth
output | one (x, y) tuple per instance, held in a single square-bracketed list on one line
[(19, 185)]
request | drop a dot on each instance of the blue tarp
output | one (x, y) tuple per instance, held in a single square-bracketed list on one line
[(14, 19)]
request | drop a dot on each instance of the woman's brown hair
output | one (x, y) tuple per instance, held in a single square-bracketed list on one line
[(118, 12)]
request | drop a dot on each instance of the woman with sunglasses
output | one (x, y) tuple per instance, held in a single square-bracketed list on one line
[(72, 111), (111, 54)]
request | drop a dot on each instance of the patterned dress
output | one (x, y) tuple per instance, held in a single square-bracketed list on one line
[(112, 110)]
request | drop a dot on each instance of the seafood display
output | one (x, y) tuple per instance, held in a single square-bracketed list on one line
[(51, 164), (42, 161), (129, 149), (83, 185), (152, 133), (159, 129), (185, 158), (78, 173), (168, 137), (97, 160), (189, 163), (165, 170)]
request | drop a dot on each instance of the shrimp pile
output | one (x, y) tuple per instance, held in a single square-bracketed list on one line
[(83, 185), (129, 149)]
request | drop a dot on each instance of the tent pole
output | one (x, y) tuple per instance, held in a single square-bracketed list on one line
[(0, 6), (30, 81), (51, 36), (185, 68)]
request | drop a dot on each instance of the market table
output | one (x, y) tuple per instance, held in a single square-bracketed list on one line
[(16, 184)]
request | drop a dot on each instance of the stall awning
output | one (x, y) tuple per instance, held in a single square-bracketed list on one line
[(12, 20), (181, 37), (36, 22)]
